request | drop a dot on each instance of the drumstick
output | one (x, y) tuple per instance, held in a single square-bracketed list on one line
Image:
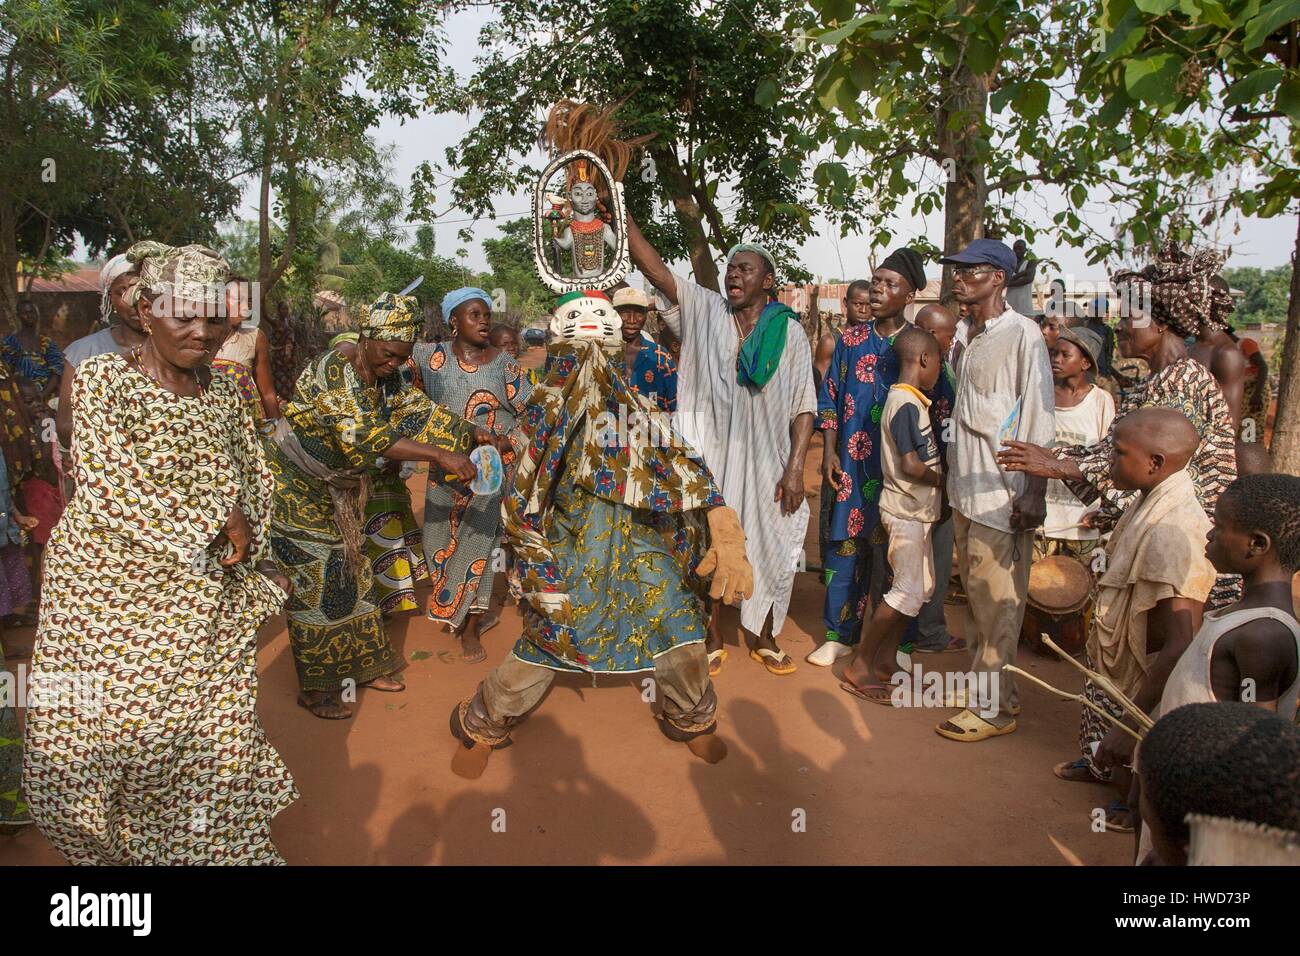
[(1100, 711), (1113, 692)]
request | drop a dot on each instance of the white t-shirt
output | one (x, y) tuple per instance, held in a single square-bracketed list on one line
[(1085, 424)]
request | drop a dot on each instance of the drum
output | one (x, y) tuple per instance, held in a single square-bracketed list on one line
[(1059, 589)]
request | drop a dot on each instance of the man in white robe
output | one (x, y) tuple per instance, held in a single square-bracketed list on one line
[(753, 437)]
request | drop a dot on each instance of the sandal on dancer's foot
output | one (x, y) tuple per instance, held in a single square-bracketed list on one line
[(488, 623), (772, 660), (969, 727), (1076, 771), (716, 660), (883, 693), (386, 683), (1116, 825), (471, 756), (708, 747), (329, 707)]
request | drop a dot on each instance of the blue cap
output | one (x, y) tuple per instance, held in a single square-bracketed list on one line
[(985, 252)]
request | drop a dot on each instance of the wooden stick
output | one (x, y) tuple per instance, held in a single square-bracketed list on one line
[(1105, 684), (1099, 711)]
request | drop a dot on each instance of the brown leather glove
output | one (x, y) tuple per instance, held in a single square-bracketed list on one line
[(733, 576)]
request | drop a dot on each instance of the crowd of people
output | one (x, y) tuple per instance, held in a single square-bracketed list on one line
[(205, 474)]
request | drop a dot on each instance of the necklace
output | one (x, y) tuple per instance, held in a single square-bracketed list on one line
[(137, 353)]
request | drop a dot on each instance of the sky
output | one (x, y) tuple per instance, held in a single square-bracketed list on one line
[(1263, 243)]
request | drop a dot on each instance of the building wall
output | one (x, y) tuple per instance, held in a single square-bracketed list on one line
[(65, 316)]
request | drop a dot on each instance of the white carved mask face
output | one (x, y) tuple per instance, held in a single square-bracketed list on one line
[(587, 319), (584, 197)]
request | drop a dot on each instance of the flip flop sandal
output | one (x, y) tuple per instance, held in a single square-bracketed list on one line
[(312, 708), (716, 660), (1063, 768), (857, 691), (772, 660), (972, 728), (487, 625), (1117, 806), (386, 690)]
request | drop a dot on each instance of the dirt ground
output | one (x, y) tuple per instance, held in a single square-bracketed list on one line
[(814, 776)]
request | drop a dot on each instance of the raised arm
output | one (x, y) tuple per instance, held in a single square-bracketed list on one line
[(647, 259), (1228, 367)]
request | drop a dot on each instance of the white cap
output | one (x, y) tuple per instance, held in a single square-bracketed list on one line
[(630, 296)]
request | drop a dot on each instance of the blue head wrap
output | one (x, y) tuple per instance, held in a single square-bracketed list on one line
[(458, 297)]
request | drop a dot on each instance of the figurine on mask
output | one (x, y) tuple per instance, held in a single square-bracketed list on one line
[(616, 525)]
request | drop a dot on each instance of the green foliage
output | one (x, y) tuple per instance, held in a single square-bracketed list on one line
[(513, 271), (713, 83), (972, 108), (305, 82), (1228, 71), (102, 115), (1266, 294)]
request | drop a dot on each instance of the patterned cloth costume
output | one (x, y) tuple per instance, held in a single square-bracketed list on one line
[(163, 760), (327, 451), (236, 359), (463, 530), (37, 366), (654, 374), (393, 545), (852, 396), (608, 525)]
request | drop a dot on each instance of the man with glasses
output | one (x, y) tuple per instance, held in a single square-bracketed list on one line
[(1005, 392)]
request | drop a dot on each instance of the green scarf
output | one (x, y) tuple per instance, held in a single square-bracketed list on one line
[(760, 354)]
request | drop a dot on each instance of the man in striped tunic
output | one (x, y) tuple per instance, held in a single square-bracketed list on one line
[(745, 402)]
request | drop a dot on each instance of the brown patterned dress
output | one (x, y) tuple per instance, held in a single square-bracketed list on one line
[(143, 742)]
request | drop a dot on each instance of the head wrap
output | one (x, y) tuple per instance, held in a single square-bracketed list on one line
[(1222, 304), (392, 318), (908, 264), (458, 297), (1248, 347), (113, 270), (753, 247), (188, 273), (1178, 287)]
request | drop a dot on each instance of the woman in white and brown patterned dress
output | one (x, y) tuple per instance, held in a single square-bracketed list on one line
[(143, 745)]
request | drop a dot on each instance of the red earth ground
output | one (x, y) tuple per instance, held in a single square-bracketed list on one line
[(814, 776)]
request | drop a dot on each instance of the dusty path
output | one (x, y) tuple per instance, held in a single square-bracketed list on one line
[(591, 779)]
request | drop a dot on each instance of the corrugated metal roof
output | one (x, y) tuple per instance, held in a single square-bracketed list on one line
[(82, 279)]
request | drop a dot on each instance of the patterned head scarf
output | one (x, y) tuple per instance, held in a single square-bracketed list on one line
[(392, 318), (113, 270), (188, 273), (1178, 286)]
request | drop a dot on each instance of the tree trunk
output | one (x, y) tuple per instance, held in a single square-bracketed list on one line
[(8, 268), (1286, 428), (692, 219), (967, 191)]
